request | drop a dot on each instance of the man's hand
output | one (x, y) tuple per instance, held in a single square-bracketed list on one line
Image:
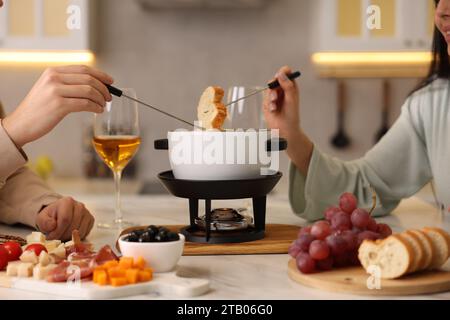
[(60, 218), (58, 92)]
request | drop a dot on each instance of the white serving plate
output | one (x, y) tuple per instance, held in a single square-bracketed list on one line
[(169, 284)]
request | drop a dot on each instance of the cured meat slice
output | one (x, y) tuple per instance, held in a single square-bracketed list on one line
[(81, 261), (105, 254)]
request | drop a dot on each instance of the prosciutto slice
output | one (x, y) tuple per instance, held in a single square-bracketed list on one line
[(81, 261)]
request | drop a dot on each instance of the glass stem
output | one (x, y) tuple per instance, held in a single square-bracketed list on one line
[(117, 177)]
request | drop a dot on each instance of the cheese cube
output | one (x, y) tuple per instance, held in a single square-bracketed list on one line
[(29, 256), (44, 258), (68, 243), (40, 272), (36, 237), (12, 268), (52, 244), (25, 270), (60, 251)]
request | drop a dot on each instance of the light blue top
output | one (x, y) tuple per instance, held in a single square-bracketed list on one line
[(414, 151)]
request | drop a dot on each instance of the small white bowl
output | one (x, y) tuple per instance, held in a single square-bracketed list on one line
[(160, 256)]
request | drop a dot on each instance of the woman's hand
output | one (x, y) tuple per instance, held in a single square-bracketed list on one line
[(58, 92), (281, 111), (281, 105), (60, 218)]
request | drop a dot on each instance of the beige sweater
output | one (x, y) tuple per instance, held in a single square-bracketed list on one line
[(22, 193)]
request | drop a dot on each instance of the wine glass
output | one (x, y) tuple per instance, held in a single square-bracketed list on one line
[(246, 113), (116, 140)]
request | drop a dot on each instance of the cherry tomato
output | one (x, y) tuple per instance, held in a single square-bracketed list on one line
[(3, 257), (36, 247), (14, 250)]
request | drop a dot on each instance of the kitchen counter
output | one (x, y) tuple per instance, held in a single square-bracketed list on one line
[(233, 277)]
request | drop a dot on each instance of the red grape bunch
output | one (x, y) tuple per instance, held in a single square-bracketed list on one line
[(334, 242)]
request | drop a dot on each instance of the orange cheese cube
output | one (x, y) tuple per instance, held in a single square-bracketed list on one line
[(118, 281), (126, 262), (149, 270), (144, 276), (101, 278), (132, 276), (110, 264), (140, 263), (99, 274), (115, 272)]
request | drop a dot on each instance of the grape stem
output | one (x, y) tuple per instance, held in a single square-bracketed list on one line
[(374, 199)]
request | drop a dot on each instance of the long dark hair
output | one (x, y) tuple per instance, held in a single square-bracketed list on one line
[(440, 64)]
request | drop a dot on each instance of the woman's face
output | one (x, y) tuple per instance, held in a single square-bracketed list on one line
[(442, 20)]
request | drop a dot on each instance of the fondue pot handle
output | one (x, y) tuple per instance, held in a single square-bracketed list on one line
[(161, 144), (276, 144)]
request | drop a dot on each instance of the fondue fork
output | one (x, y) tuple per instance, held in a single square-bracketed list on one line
[(272, 85), (119, 93)]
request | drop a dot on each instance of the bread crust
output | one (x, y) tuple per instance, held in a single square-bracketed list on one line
[(444, 234), (427, 246), (439, 243), (419, 251)]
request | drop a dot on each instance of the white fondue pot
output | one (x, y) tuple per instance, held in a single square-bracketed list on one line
[(222, 155)]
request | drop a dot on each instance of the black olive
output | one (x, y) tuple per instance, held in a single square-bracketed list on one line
[(145, 237), (138, 233), (132, 238), (161, 236), (153, 229), (173, 236), (164, 229), (152, 233)]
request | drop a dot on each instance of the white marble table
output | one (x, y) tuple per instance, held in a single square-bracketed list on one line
[(232, 277)]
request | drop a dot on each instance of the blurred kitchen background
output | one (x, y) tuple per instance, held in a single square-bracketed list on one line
[(171, 50)]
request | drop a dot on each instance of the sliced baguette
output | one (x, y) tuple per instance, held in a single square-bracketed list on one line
[(418, 251), (392, 255), (211, 112), (440, 247), (427, 248)]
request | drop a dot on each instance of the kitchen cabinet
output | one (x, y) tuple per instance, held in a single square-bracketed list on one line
[(349, 25), (45, 25), (373, 38)]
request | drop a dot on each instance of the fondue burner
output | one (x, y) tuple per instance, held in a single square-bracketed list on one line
[(222, 225), (225, 219)]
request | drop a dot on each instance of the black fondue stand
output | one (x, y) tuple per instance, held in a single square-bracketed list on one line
[(195, 190)]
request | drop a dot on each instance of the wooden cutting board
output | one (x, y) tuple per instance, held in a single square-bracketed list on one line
[(277, 240), (354, 280), (163, 283)]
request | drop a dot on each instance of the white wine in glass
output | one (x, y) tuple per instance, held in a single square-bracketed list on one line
[(116, 140)]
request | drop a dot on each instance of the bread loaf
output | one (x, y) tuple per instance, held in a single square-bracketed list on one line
[(440, 246), (407, 252), (211, 112), (418, 251), (392, 255), (427, 248)]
